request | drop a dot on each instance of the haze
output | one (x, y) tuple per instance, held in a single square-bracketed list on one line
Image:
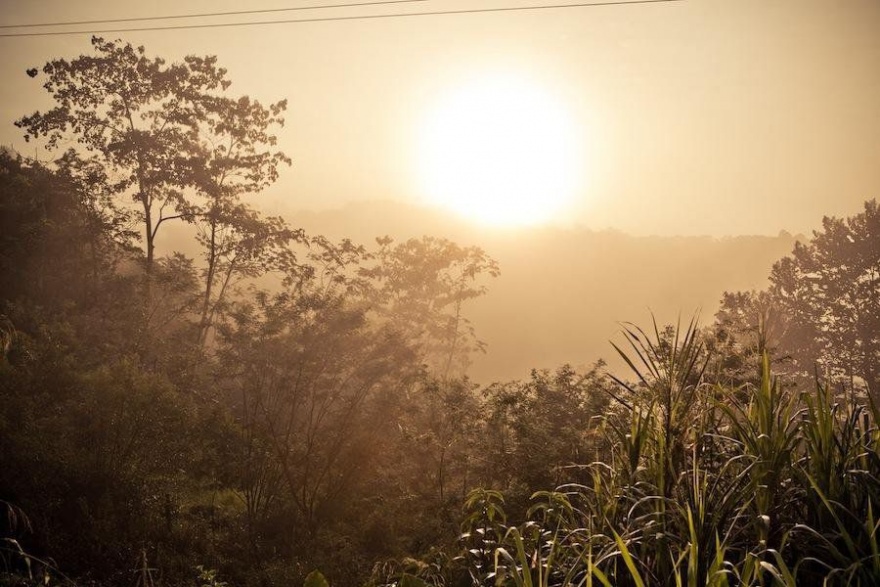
[(695, 117), (684, 118)]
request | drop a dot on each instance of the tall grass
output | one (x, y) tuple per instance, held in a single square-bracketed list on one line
[(705, 485)]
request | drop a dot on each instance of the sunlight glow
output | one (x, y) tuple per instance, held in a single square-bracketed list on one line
[(500, 151)]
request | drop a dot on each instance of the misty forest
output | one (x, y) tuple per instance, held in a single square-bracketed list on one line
[(264, 406)]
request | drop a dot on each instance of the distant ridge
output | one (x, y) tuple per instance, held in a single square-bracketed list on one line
[(563, 291)]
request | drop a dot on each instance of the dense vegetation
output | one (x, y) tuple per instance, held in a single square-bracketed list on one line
[(282, 403)]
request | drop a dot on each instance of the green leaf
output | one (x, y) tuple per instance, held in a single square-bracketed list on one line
[(316, 579), (629, 561)]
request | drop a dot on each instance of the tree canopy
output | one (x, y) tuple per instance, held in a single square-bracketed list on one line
[(161, 135), (821, 312)]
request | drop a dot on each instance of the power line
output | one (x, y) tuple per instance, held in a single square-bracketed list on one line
[(343, 18), (202, 15)]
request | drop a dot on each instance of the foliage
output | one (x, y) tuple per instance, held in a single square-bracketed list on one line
[(168, 420), (772, 488), (135, 117), (539, 432), (421, 286), (821, 309), (234, 160), (140, 444)]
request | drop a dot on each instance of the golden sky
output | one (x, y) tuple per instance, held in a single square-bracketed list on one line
[(696, 117)]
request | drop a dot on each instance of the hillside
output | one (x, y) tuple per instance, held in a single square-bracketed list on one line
[(562, 293)]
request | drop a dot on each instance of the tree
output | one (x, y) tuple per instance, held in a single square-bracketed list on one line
[(135, 117), (337, 414), (832, 285), (540, 430), (61, 256), (823, 303), (309, 381), (439, 427), (747, 325), (235, 159), (169, 137), (92, 444), (421, 286)]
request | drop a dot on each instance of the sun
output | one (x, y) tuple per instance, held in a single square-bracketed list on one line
[(499, 151)]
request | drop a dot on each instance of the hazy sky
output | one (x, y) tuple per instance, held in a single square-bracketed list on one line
[(695, 117)]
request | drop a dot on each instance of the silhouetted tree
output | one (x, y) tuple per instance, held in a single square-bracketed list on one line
[(422, 285), (135, 117), (235, 159), (822, 309), (831, 288)]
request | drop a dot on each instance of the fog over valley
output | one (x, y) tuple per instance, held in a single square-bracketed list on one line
[(440, 293), (563, 292)]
